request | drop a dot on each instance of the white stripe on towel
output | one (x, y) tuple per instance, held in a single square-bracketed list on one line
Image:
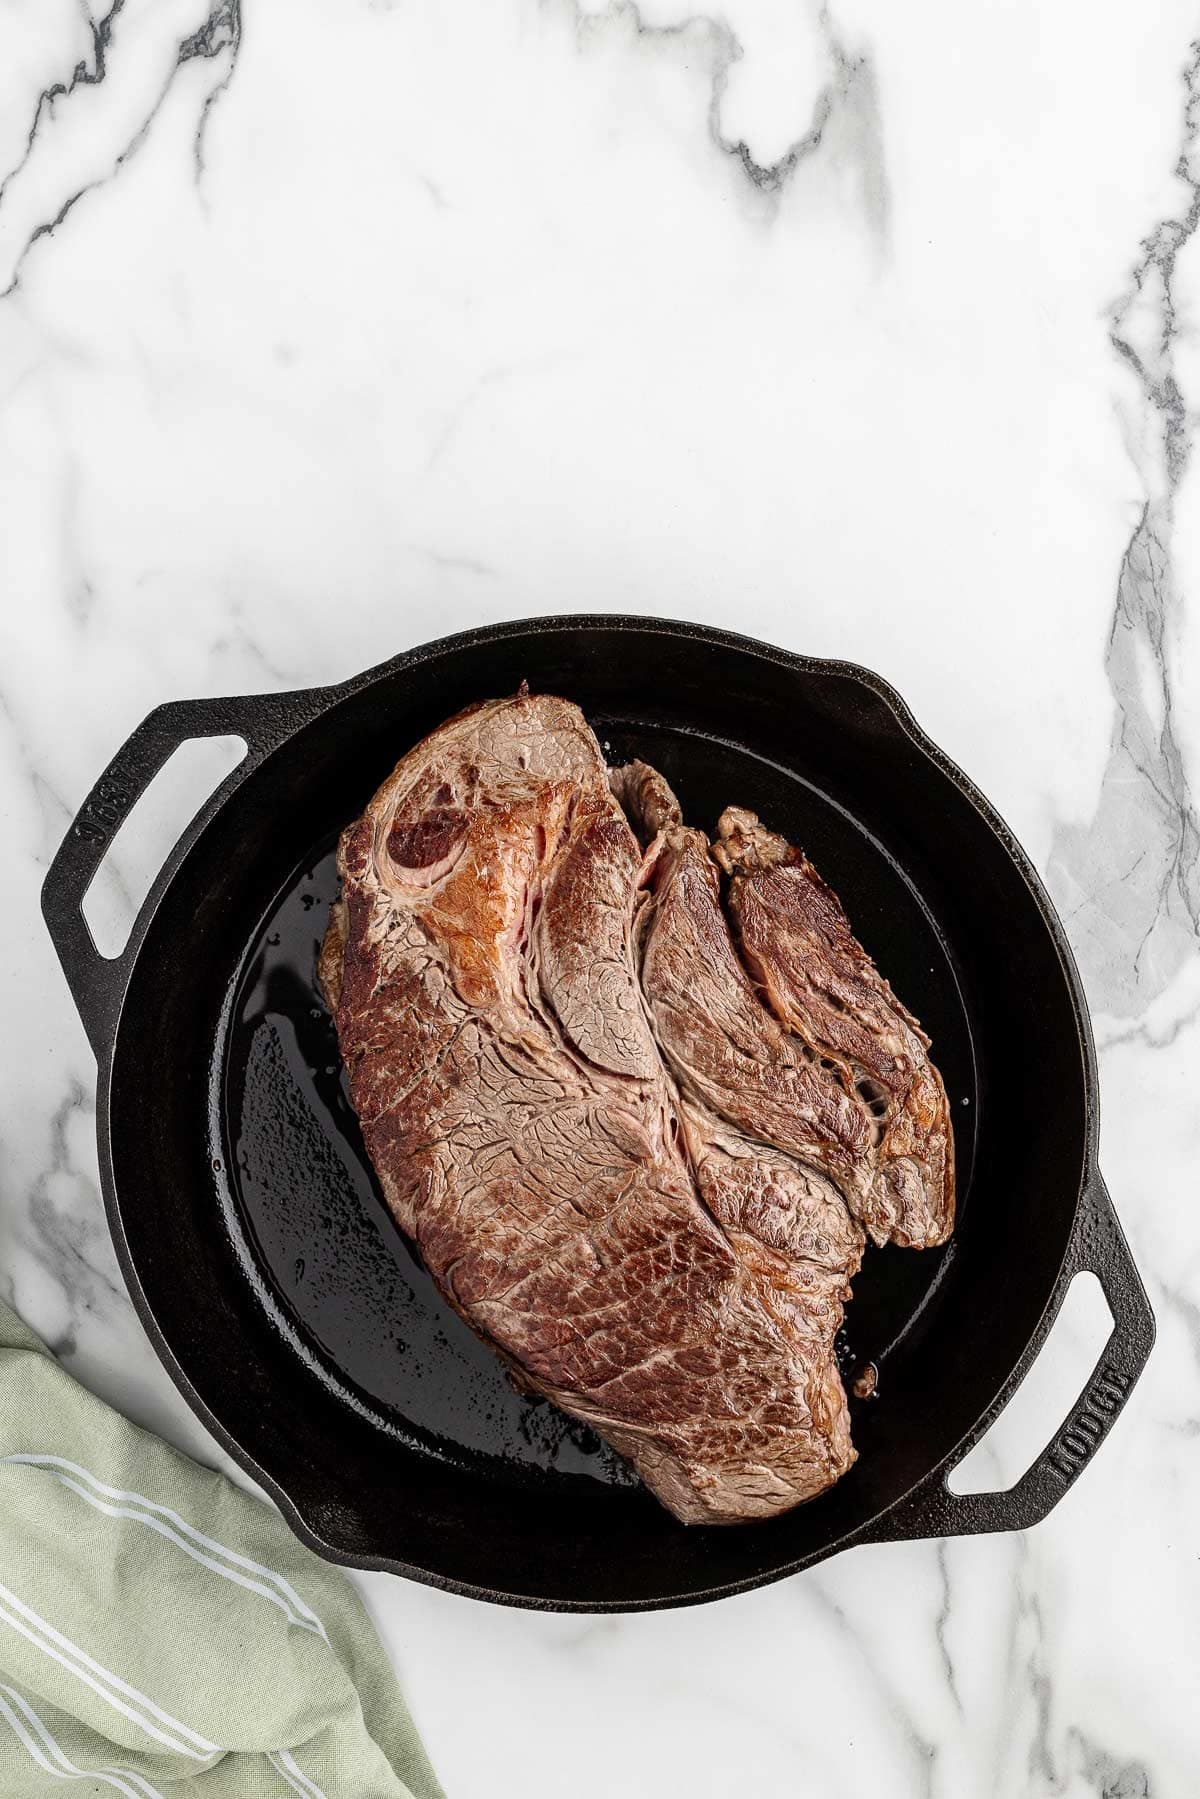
[(307, 1786), (197, 1555), (185, 1535), (279, 1768), (66, 1770), (44, 1636), (55, 1749)]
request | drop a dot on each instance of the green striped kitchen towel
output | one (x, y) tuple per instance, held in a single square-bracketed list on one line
[(162, 1632)]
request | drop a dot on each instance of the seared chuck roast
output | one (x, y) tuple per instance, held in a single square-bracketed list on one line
[(637, 1153)]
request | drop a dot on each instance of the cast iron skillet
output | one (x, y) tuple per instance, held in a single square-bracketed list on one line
[(288, 1309)]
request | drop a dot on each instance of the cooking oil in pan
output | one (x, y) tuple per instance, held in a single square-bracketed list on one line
[(325, 1242)]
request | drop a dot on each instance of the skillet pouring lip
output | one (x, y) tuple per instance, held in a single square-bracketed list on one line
[(317, 1500)]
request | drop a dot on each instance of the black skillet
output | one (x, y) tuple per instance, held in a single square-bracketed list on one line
[(289, 1310)]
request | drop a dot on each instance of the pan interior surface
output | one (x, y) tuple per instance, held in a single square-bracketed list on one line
[(346, 1290)]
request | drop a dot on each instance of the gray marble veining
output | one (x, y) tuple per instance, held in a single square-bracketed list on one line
[(1129, 881), (325, 335)]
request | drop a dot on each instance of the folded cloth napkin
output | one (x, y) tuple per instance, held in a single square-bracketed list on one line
[(162, 1632)]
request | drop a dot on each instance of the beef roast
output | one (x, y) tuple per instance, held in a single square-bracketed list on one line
[(637, 1153)]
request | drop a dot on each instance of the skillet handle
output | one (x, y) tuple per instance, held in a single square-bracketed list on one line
[(97, 982), (1098, 1245)]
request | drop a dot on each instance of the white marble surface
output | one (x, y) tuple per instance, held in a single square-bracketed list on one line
[(869, 330)]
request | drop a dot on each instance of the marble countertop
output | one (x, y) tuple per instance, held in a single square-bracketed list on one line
[(868, 330)]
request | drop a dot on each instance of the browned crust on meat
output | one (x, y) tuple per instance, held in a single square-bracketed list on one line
[(825, 989), (635, 1179)]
